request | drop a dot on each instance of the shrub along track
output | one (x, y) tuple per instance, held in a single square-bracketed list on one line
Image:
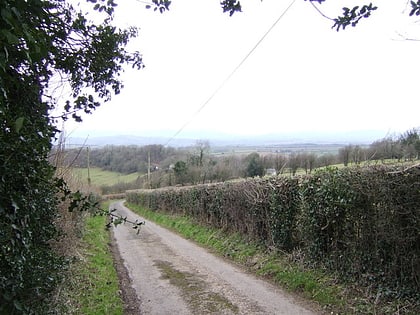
[(171, 275)]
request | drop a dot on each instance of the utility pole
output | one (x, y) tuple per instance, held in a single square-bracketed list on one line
[(148, 171), (88, 165)]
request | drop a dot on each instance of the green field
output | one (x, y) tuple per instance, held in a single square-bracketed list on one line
[(100, 177)]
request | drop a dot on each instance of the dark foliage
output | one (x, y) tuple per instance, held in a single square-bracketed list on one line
[(159, 5), (254, 165), (353, 16), (38, 40), (231, 6)]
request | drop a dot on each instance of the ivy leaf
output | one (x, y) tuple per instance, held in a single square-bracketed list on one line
[(18, 305), (12, 39), (19, 124)]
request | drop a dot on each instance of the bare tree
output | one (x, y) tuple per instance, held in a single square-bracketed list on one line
[(294, 163), (202, 148), (344, 154)]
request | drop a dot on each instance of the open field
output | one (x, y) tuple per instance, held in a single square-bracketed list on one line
[(317, 148), (100, 177)]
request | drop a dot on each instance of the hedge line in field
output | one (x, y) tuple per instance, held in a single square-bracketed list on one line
[(362, 223)]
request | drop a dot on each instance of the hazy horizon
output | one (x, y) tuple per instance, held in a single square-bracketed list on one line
[(219, 138)]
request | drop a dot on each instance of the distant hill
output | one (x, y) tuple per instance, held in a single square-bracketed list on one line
[(354, 137), (125, 140)]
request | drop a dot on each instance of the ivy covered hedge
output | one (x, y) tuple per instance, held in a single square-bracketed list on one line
[(362, 223)]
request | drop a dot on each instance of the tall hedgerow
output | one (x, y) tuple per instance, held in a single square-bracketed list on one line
[(362, 224)]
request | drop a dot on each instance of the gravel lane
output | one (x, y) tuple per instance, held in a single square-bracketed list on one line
[(172, 275)]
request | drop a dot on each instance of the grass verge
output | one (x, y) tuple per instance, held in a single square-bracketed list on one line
[(91, 285)]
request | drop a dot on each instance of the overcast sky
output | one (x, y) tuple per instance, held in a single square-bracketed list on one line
[(303, 76)]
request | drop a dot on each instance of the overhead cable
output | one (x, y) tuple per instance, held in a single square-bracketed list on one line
[(231, 74)]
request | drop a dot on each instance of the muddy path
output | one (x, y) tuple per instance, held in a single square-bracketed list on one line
[(171, 275)]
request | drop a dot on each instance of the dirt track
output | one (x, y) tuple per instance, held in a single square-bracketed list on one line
[(172, 275)]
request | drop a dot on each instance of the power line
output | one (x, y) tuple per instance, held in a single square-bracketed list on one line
[(230, 75), (320, 12)]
